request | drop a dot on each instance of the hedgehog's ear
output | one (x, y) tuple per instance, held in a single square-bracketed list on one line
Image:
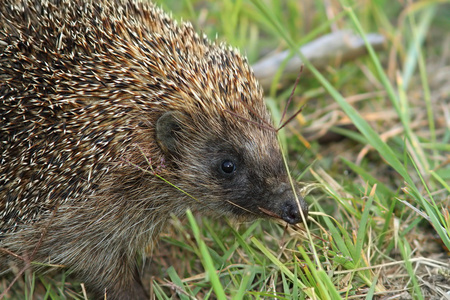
[(166, 127)]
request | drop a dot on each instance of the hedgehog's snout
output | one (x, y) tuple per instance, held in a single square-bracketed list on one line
[(293, 206), (290, 211)]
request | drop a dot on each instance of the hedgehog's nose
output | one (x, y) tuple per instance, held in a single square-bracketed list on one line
[(290, 211)]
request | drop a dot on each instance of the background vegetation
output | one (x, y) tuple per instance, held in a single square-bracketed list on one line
[(371, 148)]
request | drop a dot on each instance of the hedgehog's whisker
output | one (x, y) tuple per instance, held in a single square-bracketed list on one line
[(290, 118), (264, 125), (269, 213), (256, 114), (232, 203), (290, 97), (297, 165)]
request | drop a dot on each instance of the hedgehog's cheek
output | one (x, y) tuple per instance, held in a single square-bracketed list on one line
[(167, 126)]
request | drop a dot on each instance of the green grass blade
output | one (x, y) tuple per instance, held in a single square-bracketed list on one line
[(206, 259), (177, 281)]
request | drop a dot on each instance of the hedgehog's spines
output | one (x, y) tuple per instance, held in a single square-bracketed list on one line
[(83, 85)]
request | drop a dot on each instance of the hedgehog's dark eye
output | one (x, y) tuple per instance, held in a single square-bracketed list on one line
[(228, 166)]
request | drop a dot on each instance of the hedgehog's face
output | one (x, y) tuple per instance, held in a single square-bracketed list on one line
[(229, 172)]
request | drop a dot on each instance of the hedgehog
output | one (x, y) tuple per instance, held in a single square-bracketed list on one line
[(113, 117)]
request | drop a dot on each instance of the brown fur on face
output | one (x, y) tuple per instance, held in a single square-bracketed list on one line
[(99, 97)]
